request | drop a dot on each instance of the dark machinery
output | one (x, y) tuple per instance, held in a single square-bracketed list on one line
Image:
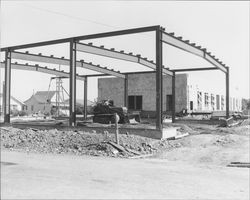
[(104, 113)]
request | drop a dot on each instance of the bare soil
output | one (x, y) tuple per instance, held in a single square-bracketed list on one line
[(206, 144)]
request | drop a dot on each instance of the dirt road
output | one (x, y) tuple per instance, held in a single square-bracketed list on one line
[(48, 176)]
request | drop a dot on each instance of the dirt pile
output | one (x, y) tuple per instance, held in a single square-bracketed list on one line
[(85, 143), (78, 142)]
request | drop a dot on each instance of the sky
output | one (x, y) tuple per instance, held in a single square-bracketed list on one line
[(220, 26)]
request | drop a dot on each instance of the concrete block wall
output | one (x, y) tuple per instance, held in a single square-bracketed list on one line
[(111, 88), (144, 84)]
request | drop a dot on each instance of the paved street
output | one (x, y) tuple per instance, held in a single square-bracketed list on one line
[(32, 176)]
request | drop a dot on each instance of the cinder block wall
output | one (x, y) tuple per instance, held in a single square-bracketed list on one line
[(144, 84)]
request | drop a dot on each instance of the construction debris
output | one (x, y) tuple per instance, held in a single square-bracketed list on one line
[(239, 164)]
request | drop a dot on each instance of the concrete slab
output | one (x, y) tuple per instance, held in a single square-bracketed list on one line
[(145, 132), (169, 132)]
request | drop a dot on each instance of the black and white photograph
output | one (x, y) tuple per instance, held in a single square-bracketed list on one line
[(123, 99)]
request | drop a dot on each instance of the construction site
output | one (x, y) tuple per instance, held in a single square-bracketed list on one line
[(152, 114)]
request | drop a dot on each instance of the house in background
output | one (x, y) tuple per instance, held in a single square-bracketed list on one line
[(142, 94), (15, 104), (45, 102), (41, 101)]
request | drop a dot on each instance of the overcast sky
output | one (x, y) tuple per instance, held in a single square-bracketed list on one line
[(221, 27)]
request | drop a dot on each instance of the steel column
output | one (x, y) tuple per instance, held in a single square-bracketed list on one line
[(173, 97), (126, 91), (85, 97), (72, 84), (7, 86), (227, 92), (158, 79)]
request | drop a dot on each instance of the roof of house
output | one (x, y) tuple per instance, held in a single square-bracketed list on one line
[(43, 96), (14, 99)]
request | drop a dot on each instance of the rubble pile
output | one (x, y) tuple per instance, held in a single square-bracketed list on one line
[(96, 144), (79, 142)]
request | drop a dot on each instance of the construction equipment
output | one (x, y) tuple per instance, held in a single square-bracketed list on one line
[(104, 113)]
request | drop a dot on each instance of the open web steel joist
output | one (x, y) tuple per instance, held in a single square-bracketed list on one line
[(75, 45)]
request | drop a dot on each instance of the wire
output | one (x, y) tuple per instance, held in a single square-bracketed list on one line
[(70, 16)]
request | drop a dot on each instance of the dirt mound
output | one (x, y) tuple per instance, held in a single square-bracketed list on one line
[(76, 142), (84, 143)]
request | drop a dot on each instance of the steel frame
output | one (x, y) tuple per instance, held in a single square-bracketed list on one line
[(7, 86), (120, 55), (62, 61), (38, 68), (85, 98), (160, 37)]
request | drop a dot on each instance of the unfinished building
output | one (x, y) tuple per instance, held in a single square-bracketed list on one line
[(141, 93), (74, 45)]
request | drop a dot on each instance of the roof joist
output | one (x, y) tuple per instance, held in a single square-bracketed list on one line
[(120, 55), (62, 61), (38, 68), (185, 45)]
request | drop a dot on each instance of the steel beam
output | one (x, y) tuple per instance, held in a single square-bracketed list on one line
[(176, 42), (194, 69), (126, 91), (85, 98), (90, 66), (215, 62), (63, 61), (191, 48), (120, 55), (72, 84), (173, 98), (62, 74), (227, 93), (89, 48), (84, 37), (158, 79), (7, 88)]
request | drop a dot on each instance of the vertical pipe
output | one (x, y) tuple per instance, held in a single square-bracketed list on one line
[(158, 78), (116, 128), (85, 97), (173, 97), (72, 84), (227, 93), (7, 86), (126, 91)]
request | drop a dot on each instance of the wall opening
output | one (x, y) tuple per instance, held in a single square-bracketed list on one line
[(135, 102), (169, 102)]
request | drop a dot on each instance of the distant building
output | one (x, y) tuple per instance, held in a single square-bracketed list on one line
[(41, 101), (142, 94), (45, 102), (15, 104), (80, 104)]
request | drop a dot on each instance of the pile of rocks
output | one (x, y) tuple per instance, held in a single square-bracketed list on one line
[(79, 142)]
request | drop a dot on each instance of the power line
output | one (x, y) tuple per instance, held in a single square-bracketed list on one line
[(70, 16)]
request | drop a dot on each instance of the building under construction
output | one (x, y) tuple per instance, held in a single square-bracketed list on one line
[(141, 92), (76, 45)]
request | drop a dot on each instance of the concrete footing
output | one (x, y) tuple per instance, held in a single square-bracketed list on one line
[(150, 133)]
